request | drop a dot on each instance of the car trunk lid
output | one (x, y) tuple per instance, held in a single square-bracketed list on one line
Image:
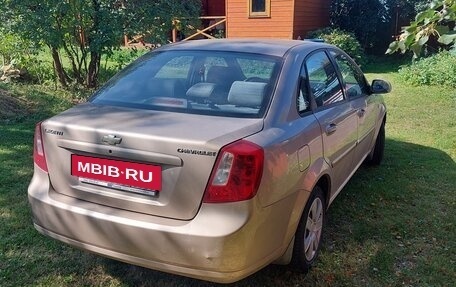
[(86, 145)]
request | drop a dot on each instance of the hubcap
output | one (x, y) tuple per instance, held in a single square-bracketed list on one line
[(314, 224)]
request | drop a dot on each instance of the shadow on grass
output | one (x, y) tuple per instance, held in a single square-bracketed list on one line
[(396, 220), (379, 207)]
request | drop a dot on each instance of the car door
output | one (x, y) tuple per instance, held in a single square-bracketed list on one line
[(336, 116), (367, 111)]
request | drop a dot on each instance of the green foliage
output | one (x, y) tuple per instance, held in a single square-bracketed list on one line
[(438, 22), (342, 39), (373, 21), (22, 54), (37, 70), (11, 47), (439, 69), (363, 18), (86, 30)]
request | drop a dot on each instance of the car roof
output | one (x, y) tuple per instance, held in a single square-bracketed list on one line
[(273, 47)]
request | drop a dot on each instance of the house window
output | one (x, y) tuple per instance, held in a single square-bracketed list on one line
[(259, 8)]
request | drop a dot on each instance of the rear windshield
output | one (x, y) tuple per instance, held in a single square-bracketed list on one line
[(197, 82)]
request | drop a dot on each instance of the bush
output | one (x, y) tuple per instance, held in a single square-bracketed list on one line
[(37, 70), (342, 39), (28, 68), (11, 48), (439, 69), (17, 53)]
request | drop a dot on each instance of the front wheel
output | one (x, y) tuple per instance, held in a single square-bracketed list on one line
[(309, 233)]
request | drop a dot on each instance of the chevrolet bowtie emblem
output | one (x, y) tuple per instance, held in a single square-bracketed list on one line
[(111, 139)]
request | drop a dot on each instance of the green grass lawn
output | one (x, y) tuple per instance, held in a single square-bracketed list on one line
[(392, 225)]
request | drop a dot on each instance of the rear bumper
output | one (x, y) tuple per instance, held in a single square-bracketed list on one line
[(223, 243)]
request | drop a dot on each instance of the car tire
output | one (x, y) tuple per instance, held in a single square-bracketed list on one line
[(308, 236), (379, 148)]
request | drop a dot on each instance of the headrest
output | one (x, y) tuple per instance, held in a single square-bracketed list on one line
[(201, 90), (247, 94)]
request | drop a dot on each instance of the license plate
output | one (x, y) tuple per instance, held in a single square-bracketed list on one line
[(140, 175)]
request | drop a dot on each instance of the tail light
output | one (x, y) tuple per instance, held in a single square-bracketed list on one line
[(237, 173), (38, 149)]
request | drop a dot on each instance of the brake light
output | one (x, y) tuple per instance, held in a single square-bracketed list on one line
[(38, 149), (237, 173)]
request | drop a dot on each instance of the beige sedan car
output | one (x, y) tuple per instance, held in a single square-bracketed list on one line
[(209, 159)]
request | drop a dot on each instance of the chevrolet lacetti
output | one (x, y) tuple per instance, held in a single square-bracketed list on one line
[(210, 158)]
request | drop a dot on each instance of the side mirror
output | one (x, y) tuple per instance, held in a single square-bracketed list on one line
[(380, 87)]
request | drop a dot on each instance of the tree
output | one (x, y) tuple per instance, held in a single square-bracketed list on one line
[(11, 45), (363, 18), (437, 21), (83, 30), (373, 21)]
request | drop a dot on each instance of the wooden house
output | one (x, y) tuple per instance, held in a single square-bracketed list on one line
[(285, 19), (282, 19)]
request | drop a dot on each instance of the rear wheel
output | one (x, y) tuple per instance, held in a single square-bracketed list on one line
[(309, 233), (379, 148)]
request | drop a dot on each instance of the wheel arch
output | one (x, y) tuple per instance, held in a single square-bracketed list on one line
[(383, 122), (324, 182), (374, 139), (319, 174)]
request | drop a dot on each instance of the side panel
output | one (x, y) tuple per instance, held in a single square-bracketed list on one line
[(339, 132), (285, 166), (367, 107), (293, 161), (368, 113)]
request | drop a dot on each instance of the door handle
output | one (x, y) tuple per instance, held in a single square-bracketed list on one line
[(331, 128), (361, 113)]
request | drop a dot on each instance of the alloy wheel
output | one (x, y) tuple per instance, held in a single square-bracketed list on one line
[(313, 229)]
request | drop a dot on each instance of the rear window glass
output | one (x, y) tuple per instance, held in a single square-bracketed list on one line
[(197, 82)]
